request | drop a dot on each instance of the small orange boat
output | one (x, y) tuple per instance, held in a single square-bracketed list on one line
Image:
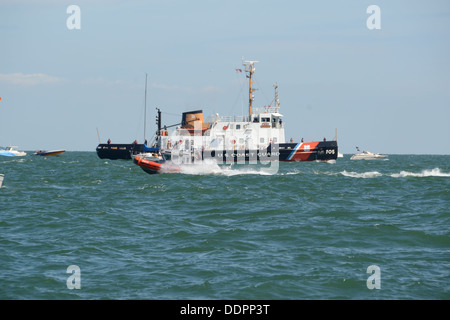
[(155, 164)]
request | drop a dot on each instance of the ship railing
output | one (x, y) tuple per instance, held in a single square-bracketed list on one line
[(277, 125), (218, 118), (265, 110)]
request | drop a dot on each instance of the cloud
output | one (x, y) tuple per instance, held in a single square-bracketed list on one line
[(30, 79)]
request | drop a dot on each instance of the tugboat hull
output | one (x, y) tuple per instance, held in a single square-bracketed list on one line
[(119, 151)]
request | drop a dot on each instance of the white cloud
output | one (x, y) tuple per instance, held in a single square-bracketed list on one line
[(30, 79)]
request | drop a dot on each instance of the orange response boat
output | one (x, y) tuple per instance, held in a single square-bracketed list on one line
[(155, 164)]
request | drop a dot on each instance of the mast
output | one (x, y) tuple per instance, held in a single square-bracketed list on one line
[(275, 100), (250, 68), (158, 132), (145, 105)]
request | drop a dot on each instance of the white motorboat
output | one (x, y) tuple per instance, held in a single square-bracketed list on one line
[(366, 155), (1, 179), (12, 152)]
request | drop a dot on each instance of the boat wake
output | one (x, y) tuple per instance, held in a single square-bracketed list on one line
[(332, 161), (436, 172), (210, 167), (369, 174)]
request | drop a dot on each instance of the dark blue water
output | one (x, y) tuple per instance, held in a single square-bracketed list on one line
[(309, 231)]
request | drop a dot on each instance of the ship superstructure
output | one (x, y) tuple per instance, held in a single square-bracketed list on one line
[(253, 137)]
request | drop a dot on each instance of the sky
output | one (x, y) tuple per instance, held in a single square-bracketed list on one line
[(384, 89)]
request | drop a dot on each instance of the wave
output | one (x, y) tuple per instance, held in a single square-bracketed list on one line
[(291, 173), (369, 174), (436, 172), (332, 161)]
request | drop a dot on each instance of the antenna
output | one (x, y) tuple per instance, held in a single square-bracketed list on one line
[(250, 68), (275, 100), (145, 105)]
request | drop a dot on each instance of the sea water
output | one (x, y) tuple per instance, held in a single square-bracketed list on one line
[(75, 226)]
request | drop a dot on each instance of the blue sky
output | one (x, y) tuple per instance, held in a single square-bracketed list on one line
[(385, 90)]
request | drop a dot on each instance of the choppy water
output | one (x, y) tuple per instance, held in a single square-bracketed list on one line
[(310, 231)]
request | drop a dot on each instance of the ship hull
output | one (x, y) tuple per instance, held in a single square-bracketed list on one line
[(286, 152), (309, 151), (119, 151)]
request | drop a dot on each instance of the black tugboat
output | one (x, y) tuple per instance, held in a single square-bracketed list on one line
[(121, 151), (125, 151)]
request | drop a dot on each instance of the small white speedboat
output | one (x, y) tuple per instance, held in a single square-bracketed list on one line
[(12, 152), (1, 179), (366, 155)]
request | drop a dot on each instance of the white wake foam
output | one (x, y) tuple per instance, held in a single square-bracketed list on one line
[(210, 167), (436, 172), (369, 174)]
